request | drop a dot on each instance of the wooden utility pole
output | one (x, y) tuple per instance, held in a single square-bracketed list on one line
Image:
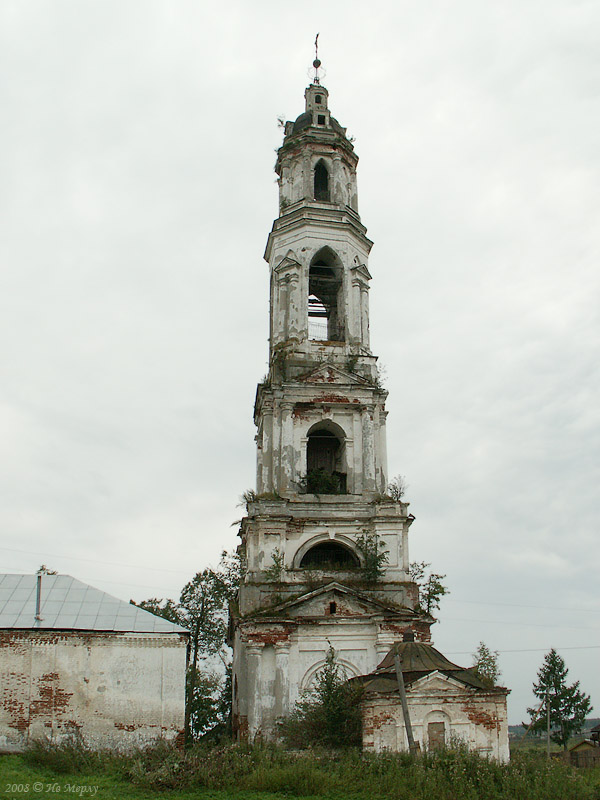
[(547, 726), (533, 720), (412, 746)]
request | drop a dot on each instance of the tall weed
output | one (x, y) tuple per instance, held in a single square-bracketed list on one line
[(71, 756), (451, 774)]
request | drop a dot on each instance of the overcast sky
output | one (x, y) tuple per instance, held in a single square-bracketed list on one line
[(136, 195)]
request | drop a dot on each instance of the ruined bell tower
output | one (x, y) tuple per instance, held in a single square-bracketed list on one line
[(321, 500)]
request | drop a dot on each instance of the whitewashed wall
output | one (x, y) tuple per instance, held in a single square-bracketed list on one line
[(113, 690), (475, 718)]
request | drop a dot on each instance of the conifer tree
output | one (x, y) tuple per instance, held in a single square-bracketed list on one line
[(329, 714), (568, 705), (485, 664)]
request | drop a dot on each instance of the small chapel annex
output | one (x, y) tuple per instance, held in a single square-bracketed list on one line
[(322, 476)]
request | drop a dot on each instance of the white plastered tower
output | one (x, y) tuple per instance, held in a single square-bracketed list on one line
[(321, 448)]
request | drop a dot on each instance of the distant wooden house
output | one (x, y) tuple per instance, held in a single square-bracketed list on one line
[(76, 661), (587, 752)]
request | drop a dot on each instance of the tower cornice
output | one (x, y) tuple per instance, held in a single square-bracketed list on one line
[(321, 215)]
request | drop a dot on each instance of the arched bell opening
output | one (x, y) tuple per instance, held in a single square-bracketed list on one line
[(321, 181), (317, 319), (329, 556), (325, 471), (325, 319)]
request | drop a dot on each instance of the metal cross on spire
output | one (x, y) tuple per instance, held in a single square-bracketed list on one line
[(316, 62)]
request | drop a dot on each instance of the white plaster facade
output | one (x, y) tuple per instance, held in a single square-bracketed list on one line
[(443, 711), (77, 661), (327, 396), (447, 704), (112, 690), (278, 653), (320, 410)]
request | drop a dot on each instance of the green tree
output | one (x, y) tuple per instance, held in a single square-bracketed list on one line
[(375, 556), (276, 567), (396, 488), (231, 572), (167, 609), (210, 704), (431, 588), (202, 609), (202, 606), (568, 705), (204, 698), (44, 570), (319, 481), (485, 664), (329, 714)]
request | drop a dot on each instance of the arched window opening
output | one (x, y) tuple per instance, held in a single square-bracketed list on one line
[(321, 180), (325, 298), (317, 319), (311, 674), (328, 556), (324, 453)]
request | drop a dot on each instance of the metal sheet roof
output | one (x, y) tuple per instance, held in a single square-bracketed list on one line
[(69, 604), (417, 659)]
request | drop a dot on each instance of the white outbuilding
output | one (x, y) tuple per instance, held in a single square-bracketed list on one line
[(77, 661)]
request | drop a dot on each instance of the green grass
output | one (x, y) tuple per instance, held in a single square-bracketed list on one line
[(107, 785), (232, 772), (14, 771)]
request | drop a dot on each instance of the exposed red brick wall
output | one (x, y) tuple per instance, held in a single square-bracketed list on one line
[(268, 634), (331, 398), (53, 701), (481, 717)]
